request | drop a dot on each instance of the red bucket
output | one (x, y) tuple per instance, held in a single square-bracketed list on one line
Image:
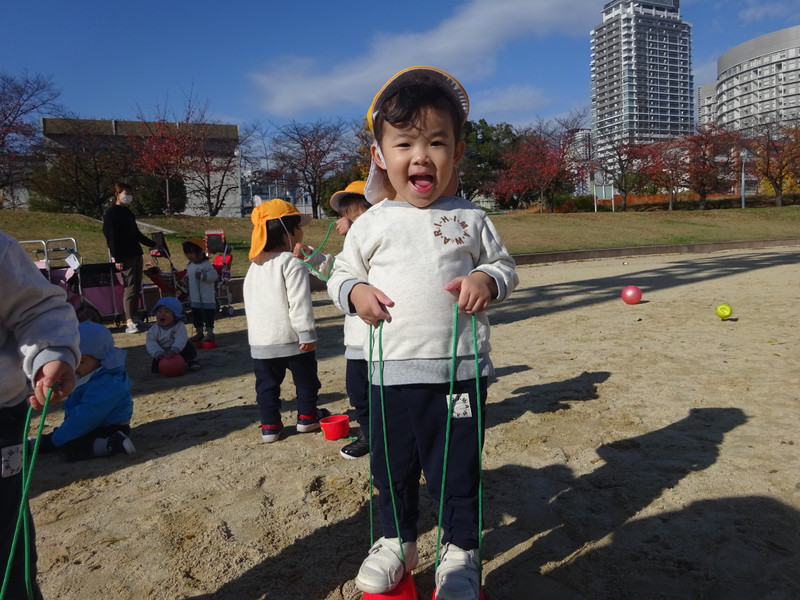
[(335, 427)]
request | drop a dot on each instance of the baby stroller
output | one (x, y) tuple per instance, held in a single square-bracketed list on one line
[(95, 290), (216, 245), (169, 281)]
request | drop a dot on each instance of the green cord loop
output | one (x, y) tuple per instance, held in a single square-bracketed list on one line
[(22, 522), (313, 254)]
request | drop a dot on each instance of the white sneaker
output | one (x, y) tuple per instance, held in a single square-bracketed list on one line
[(132, 328), (383, 568), (457, 577)]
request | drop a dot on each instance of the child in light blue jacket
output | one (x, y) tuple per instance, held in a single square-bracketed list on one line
[(97, 414)]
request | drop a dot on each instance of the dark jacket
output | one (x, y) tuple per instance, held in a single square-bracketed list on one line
[(122, 233)]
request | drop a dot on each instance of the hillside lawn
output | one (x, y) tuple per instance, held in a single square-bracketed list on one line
[(522, 232)]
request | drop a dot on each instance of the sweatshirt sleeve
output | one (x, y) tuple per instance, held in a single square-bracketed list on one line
[(44, 325), (181, 338), (298, 291), (321, 265), (154, 349), (348, 270), (496, 262)]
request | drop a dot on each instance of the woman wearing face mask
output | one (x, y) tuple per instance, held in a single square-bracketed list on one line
[(124, 242)]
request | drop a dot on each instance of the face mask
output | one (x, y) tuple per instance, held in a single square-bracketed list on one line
[(126, 199)]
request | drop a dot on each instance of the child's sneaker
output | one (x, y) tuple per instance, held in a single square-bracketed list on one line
[(194, 365), (306, 423), (383, 568), (132, 328), (118, 443), (197, 337), (457, 577), (271, 433), (209, 337), (356, 449)]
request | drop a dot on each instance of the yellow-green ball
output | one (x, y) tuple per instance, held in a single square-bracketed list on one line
[(724, 311)]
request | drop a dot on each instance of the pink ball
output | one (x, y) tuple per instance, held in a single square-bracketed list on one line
[(172, 367), (631, 294)]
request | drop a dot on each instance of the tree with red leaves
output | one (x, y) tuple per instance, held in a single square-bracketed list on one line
[(710, 157)]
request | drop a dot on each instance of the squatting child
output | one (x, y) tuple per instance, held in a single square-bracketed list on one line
[(280, 319), (201, 275), (168, 336), (405, 265), (97, 414)]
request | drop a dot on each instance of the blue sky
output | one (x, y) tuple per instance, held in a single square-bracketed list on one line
[(305, 60)]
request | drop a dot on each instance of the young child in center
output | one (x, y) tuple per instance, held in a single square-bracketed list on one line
[(97, 414), (350, 203), (201, 275), (280, 318), (405, 265), (168, 336)]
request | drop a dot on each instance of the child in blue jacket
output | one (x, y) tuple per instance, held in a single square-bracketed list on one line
[(97, 414)]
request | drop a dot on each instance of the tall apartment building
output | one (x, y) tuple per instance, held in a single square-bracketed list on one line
[(641, 70), (757, 82)]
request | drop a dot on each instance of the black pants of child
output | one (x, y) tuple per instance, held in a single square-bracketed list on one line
[(189, 354), (270, 373), (12, 434), (356, 381), (84, 447), (416, 418), (203, 318)]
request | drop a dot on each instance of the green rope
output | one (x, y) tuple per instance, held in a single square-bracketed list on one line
[(447, 440), (447, 432), (22, 522), (313, 254)]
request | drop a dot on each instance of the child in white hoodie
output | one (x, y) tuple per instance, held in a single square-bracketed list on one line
[(280, 319)]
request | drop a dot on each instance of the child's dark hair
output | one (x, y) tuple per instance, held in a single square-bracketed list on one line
[(405, 108), (353, 200), (192, 247), (276, 231)]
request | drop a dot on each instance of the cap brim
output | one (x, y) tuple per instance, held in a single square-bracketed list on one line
[(421, 74)]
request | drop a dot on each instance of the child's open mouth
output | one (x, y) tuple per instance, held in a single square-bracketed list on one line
[(421, 183)]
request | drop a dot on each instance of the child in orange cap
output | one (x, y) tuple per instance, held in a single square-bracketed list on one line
[(280, 319), (415, 258)]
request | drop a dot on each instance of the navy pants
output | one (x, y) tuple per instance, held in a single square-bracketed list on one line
[(416, 424), (203, 317), (12, 434), (356, 383), (270, 373)]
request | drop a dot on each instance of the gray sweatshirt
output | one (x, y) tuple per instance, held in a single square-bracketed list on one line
[(410, 254), (37, 325)]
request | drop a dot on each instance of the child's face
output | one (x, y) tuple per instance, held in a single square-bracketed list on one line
[(164, 316), (420, 160), (87, 365), (194, 256)]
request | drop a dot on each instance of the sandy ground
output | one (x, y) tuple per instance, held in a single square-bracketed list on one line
[(646, 451)]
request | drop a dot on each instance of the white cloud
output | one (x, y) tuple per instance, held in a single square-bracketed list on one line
[(466, 44), (757, 10), (510, 103)]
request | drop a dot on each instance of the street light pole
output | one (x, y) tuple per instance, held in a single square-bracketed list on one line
[(744, 157)]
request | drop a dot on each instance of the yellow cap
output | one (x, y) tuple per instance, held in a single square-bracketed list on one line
[(415, 75), (354, 189), (267, 211)]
